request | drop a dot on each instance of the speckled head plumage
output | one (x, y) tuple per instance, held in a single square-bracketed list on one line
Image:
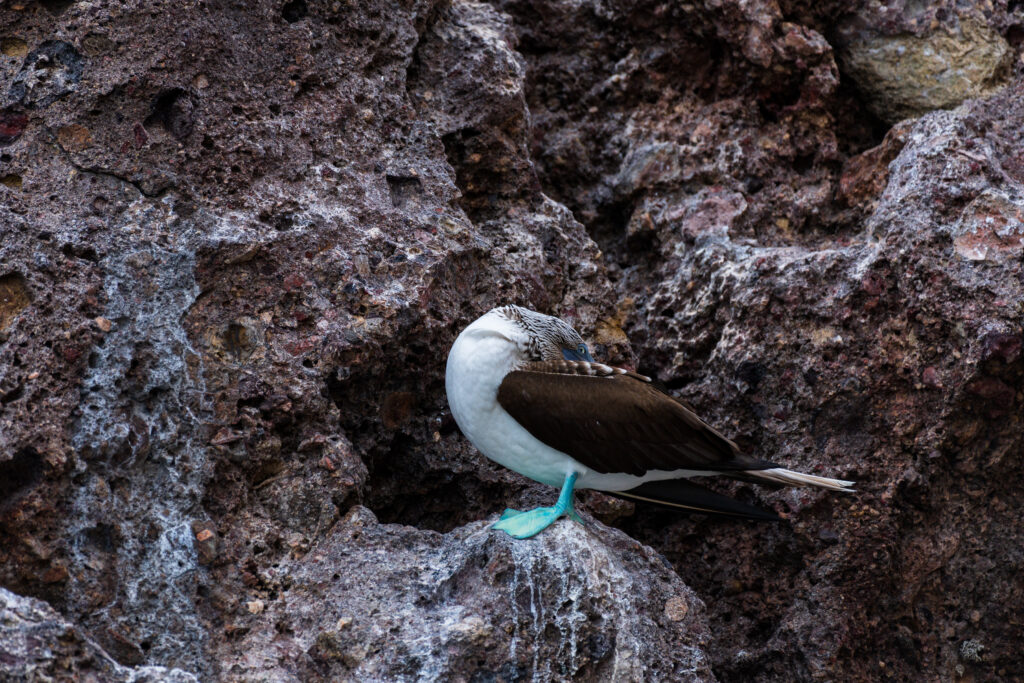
[(545, 337)]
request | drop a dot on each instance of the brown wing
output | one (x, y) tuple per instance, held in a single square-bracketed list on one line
[(613, 421)]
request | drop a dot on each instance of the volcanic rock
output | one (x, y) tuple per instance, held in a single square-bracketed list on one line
[(907, 75), (387, 602), (235, 248), (38, 644)]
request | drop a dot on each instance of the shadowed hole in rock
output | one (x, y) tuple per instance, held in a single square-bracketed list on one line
[(56, 7), (403, 189), (238, 342), (1015, 36), (751, 373), (173, 110), (81, 251), (402, 489), (610, 226), (19, 474), (803, 163), (412, 476), (477, 182), (294, 11), (13, 395), (103, 537)]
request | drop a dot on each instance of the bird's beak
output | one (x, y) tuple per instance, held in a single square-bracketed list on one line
[(573, 354)]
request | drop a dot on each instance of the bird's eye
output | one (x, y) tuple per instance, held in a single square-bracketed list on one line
[(581, 349)]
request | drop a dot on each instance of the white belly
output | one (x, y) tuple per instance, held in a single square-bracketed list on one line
[(475, 369), (476, 365)]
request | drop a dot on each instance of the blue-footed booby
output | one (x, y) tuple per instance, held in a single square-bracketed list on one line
[(526, 392)]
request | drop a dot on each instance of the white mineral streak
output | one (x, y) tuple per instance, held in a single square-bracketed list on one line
[(553, 581), (144, 408)]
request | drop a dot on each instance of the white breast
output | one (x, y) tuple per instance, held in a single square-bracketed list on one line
[(479, 360)]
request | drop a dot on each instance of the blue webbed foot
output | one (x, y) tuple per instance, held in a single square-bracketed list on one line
[(526, 524)]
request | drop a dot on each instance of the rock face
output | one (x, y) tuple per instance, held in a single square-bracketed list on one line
[(392, 603), (236, 248), (898, 365), (37, 644)]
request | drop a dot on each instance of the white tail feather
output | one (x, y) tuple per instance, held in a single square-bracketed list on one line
[(791, 478)]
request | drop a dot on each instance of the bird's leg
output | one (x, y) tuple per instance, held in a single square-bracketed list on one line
[(530, 523), (570, 512)]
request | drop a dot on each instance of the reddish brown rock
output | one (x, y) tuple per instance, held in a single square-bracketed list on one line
[(864, 176), (236, 248)]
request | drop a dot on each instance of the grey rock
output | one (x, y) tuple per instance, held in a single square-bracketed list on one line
[(375, 602), (37, 644)]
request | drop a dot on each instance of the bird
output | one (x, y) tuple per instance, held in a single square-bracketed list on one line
[(525, 390)]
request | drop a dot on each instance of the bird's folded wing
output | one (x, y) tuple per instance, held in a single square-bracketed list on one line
[(611, 420)]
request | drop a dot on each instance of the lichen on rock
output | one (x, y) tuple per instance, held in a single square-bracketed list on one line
[(40, 645)]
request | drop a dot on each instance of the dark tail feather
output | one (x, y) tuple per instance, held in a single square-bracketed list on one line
[(681, 494)]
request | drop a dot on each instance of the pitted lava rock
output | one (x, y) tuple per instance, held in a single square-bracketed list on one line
[(40, 645), (236, 248), (582, 603)]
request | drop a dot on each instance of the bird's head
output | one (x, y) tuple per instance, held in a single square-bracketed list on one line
[(542, 337)]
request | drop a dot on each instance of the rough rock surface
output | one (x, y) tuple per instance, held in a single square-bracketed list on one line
[(236, 247), (37, 644), (394, 603), (899, 367), (906, 75)]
